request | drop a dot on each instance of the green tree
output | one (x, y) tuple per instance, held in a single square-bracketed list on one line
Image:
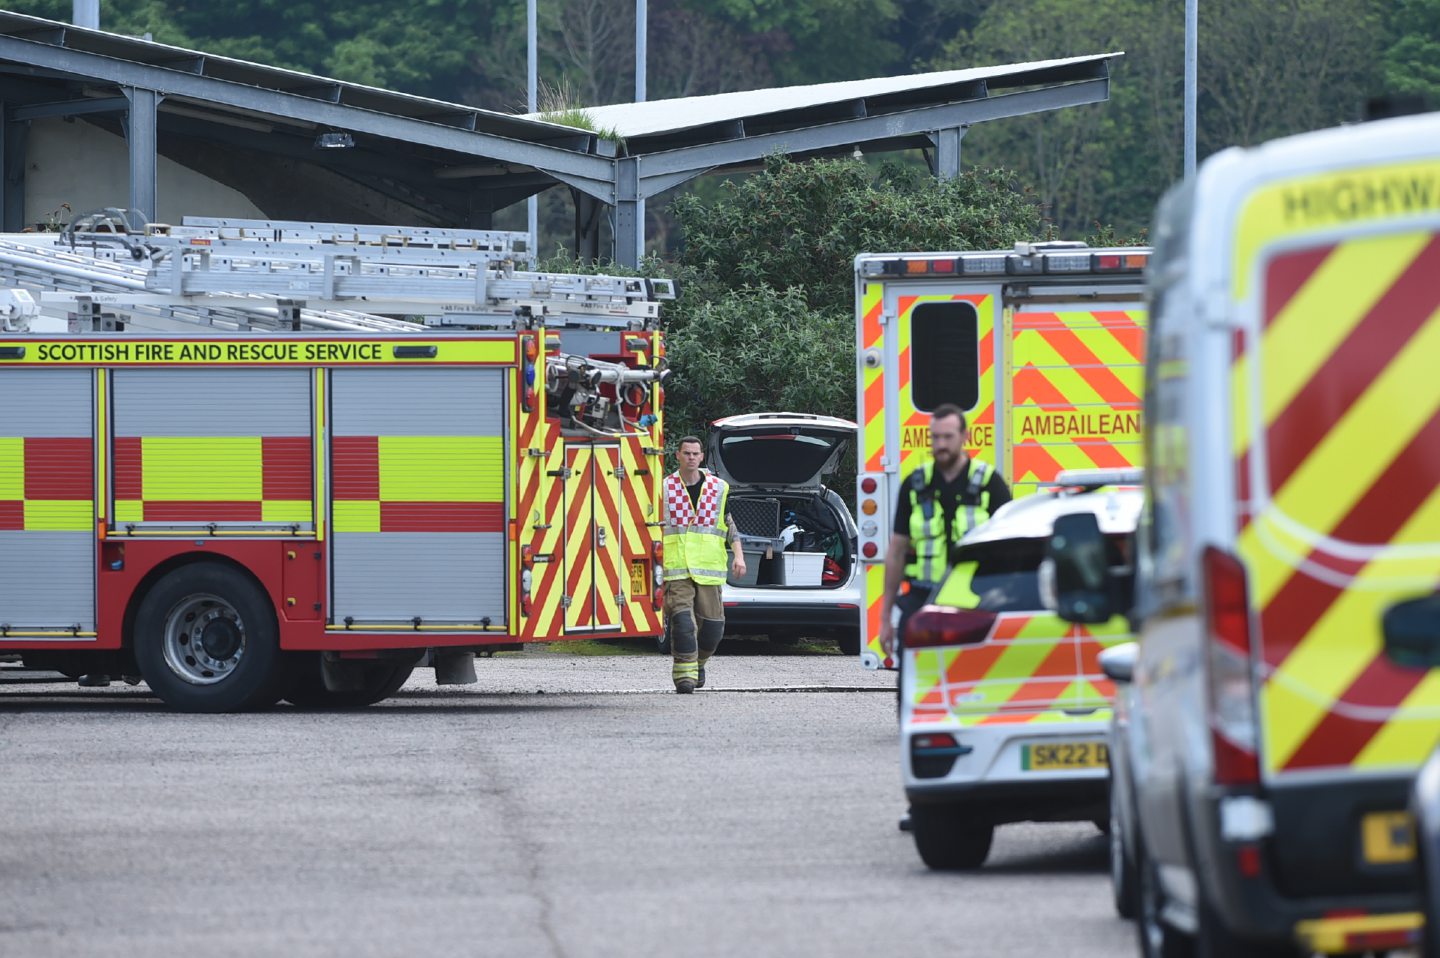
[(766, 318), (1107, 162), (1283, 67), (1412, 62)]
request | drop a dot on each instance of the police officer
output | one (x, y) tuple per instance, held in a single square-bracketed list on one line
[(938, 503), (696, 520)]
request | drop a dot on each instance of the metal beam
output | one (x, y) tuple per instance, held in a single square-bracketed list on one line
[(142, 138), (697, 159), (947, 151), (80, 107), (299, 107), (629, 213)]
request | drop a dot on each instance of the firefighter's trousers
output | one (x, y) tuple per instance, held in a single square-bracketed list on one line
[(696, 620)]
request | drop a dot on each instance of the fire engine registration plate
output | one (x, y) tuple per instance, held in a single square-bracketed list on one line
[(1063, 756), (1388, 838), (639, 578)]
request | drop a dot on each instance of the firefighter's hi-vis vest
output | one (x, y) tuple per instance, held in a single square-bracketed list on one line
[(929, 538), (695, 536)]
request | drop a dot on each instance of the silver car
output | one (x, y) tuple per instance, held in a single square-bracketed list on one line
[(802, 579)]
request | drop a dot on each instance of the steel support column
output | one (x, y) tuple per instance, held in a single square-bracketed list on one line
[(13, 136), (629, 213), (588, 214), (947, 151), (142, 138)]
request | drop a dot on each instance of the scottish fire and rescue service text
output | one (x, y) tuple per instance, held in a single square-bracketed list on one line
[(199, 352)]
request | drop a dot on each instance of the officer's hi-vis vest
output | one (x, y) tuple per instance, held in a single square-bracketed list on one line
[(927, 520), (695, 536)]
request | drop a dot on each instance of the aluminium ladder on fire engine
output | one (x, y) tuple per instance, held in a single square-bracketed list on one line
[(226, 273)]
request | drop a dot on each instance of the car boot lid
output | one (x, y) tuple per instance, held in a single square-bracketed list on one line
[(778, 450)]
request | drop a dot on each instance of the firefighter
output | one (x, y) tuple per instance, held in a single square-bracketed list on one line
[(938, 503), (695, 515)]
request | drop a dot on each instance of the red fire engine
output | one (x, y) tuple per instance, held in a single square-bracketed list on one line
[(304, 501)]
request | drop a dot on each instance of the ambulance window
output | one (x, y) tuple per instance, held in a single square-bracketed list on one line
[(945, 355)]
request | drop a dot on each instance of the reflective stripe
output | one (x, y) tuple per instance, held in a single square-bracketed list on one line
[(695, 530), (693, 573)]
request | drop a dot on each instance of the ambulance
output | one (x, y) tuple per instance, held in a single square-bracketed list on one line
[(1292, 428), (383, 446), (1041, 345)]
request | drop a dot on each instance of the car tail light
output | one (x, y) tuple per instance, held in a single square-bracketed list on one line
[(1231, 698), (934, 626)]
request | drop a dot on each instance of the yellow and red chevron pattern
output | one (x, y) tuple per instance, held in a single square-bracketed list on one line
[(640, 491), (872, 397), (1074, 392), (627, 499), (207, 479), (47, 484), (1029, 669), (914, 425), (1337, 455), (541, 523)]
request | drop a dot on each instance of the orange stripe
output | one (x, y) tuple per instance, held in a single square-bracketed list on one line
[(1098, 375)]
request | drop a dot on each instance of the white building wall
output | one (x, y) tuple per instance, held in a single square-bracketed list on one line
[(85, 166)]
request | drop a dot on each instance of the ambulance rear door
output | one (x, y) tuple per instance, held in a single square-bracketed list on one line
[(1074, 379)]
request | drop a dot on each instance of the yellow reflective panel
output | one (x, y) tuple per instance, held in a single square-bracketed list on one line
[(441, 469), (361, 516), (202, 469), (59, 515), (12, 468), (955, 591), (286, 510)]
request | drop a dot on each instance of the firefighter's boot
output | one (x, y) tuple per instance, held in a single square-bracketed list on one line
[(711, 631), (685, 650)]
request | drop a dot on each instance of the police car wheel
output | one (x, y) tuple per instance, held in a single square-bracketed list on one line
[(947, 839), (206, 640)]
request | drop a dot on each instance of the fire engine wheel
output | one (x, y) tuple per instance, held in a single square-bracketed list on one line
[(379, 681), (947, 839), (206, 641)]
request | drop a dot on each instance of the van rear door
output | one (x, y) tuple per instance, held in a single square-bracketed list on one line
[(1337, 450)]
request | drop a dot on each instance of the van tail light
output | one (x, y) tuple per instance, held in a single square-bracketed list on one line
[(935, 626), (1228, 673)]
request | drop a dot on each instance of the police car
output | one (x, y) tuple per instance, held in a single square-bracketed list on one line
[(1004, 709)]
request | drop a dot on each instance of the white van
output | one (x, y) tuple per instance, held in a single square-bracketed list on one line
[(1292, 424)]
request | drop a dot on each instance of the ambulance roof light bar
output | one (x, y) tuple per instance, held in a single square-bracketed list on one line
[(1028, 259)]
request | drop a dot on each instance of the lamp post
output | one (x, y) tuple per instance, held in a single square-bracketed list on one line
[(85, 13), (1191, 22), (532, 203), (641, 13)]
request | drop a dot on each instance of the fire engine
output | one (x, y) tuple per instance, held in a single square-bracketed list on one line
[(1042, 346), (269, 460)]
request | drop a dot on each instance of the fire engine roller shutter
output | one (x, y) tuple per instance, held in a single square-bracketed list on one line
[(195, 447), (47, 499), (418, 467)]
